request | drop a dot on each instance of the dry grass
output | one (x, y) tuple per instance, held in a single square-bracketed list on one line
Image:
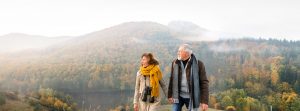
[(16, 105), (168, 108)]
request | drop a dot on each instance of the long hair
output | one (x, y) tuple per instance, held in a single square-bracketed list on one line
[(152, 60)]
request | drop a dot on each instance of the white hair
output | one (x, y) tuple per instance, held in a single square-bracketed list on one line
[(187, 48)]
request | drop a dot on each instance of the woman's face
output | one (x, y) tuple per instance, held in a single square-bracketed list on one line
[(145, 61)]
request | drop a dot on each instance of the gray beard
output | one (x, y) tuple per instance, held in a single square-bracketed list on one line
[(179, 58)]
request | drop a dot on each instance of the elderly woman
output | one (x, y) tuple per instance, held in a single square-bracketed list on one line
[(148, 80)]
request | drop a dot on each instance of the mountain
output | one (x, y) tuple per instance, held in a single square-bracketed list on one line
[(189, 31), (14, 42), (108, 53), (136, 37), (109, 50)]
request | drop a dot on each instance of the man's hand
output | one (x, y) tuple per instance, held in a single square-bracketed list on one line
[(204, 107), (136, 107), (170, 100)]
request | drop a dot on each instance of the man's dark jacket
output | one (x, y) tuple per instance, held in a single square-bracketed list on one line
[(202, 77)]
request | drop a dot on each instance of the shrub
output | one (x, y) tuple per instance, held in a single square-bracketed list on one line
[(2, 100)]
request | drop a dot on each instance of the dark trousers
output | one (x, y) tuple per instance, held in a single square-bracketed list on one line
[(182, 101)]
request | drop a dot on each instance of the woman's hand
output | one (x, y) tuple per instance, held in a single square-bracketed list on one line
[(136, 107)]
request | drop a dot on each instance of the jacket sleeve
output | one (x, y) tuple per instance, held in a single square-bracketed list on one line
[(163, 86), (203, 83), (170, 89), (136, 89)]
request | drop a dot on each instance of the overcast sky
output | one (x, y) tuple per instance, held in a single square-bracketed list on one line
[(258, 18)]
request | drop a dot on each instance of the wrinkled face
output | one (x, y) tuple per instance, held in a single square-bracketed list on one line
[(145, 61), (182, 54)]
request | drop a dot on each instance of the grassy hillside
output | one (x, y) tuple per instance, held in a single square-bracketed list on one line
[(44, 100), (10, 101)]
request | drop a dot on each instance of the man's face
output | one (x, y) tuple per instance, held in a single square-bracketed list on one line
[(182, 54)]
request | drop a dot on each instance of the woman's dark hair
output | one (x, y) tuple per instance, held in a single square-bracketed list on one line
[(152, 60)]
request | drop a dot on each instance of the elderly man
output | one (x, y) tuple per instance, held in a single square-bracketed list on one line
[(188, 82)]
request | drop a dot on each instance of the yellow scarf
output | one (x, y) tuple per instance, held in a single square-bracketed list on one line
[(155, 75)]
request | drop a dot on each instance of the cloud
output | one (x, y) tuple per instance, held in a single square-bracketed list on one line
[(223, 47)]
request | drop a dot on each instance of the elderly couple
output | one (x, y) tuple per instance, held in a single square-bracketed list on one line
[(188, 84)]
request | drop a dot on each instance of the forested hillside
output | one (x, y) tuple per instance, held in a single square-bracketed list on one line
[(245, 74)]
